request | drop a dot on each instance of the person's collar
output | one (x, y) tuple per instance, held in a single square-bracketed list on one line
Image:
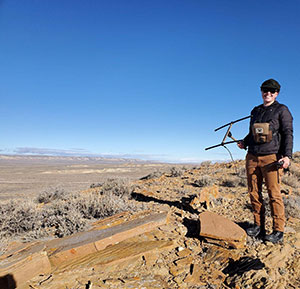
[(271, 105)]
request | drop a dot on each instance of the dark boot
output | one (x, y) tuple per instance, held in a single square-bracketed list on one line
[(253, 231), (275, 237)]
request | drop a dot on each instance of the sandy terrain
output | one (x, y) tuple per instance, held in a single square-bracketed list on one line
[(29, 175)]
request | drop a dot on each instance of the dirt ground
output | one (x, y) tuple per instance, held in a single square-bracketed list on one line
[(29, 175)]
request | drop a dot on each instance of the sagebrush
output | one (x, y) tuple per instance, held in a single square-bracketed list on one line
[(59, 213)]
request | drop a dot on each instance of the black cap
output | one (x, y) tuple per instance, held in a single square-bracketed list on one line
[(271, 83)]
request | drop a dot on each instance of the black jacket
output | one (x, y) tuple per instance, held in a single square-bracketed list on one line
[(281, 124)]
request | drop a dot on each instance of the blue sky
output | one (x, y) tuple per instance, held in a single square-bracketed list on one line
[(146, 79)]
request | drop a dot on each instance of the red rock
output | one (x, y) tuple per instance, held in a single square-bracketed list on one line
[(218, 229)]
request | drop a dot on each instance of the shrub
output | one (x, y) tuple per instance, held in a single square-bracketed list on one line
[(17, 218), (295, 170), (154, 175), (204, 181), (296, 157), (176, 172), (292, 206), (51, 195), (63, 218), (97, 207), (290, 180), (3, 245), (118, 187), (241, 172), (206, 164), (60, 216), (233, 181)]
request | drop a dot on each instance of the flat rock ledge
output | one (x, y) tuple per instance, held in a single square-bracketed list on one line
[(19, 266), (222, 231)]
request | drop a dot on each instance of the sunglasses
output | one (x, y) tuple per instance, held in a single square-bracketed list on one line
[(272, 90)]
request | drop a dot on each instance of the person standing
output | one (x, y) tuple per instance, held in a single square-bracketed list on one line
[(270, 144)]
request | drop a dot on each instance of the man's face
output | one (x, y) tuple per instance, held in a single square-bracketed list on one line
[(268, 96)]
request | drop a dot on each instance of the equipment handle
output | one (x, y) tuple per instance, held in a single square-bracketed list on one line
[(279, 164)]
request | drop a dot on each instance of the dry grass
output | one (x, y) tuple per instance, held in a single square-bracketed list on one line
[(241, 172), (292, 206), (154, 175), (50, 195), (60, 213), (233, 181), (204, 181), (206, 164), (177, 172), (117, 187), (17, 218), (290, 180), (296, 157), (295, 169)]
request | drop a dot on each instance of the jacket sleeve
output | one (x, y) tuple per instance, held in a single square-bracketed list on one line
[(247, 137), (286, 131), (246, 140)]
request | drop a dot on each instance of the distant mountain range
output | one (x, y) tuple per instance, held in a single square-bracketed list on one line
[(81, 159)]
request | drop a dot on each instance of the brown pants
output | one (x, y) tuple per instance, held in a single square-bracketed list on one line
[(259, 168)]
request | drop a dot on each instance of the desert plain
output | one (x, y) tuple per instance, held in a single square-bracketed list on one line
[(27, 176)]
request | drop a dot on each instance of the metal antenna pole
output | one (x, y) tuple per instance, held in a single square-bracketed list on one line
[(232, 122), (227, 134)]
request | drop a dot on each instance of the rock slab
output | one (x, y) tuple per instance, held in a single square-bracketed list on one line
[(42, 258), (217, 229), (82, 244), (24, 269)]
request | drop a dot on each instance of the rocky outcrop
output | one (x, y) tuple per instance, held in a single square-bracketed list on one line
[(187, 237), (23, 264), (16, 270)]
